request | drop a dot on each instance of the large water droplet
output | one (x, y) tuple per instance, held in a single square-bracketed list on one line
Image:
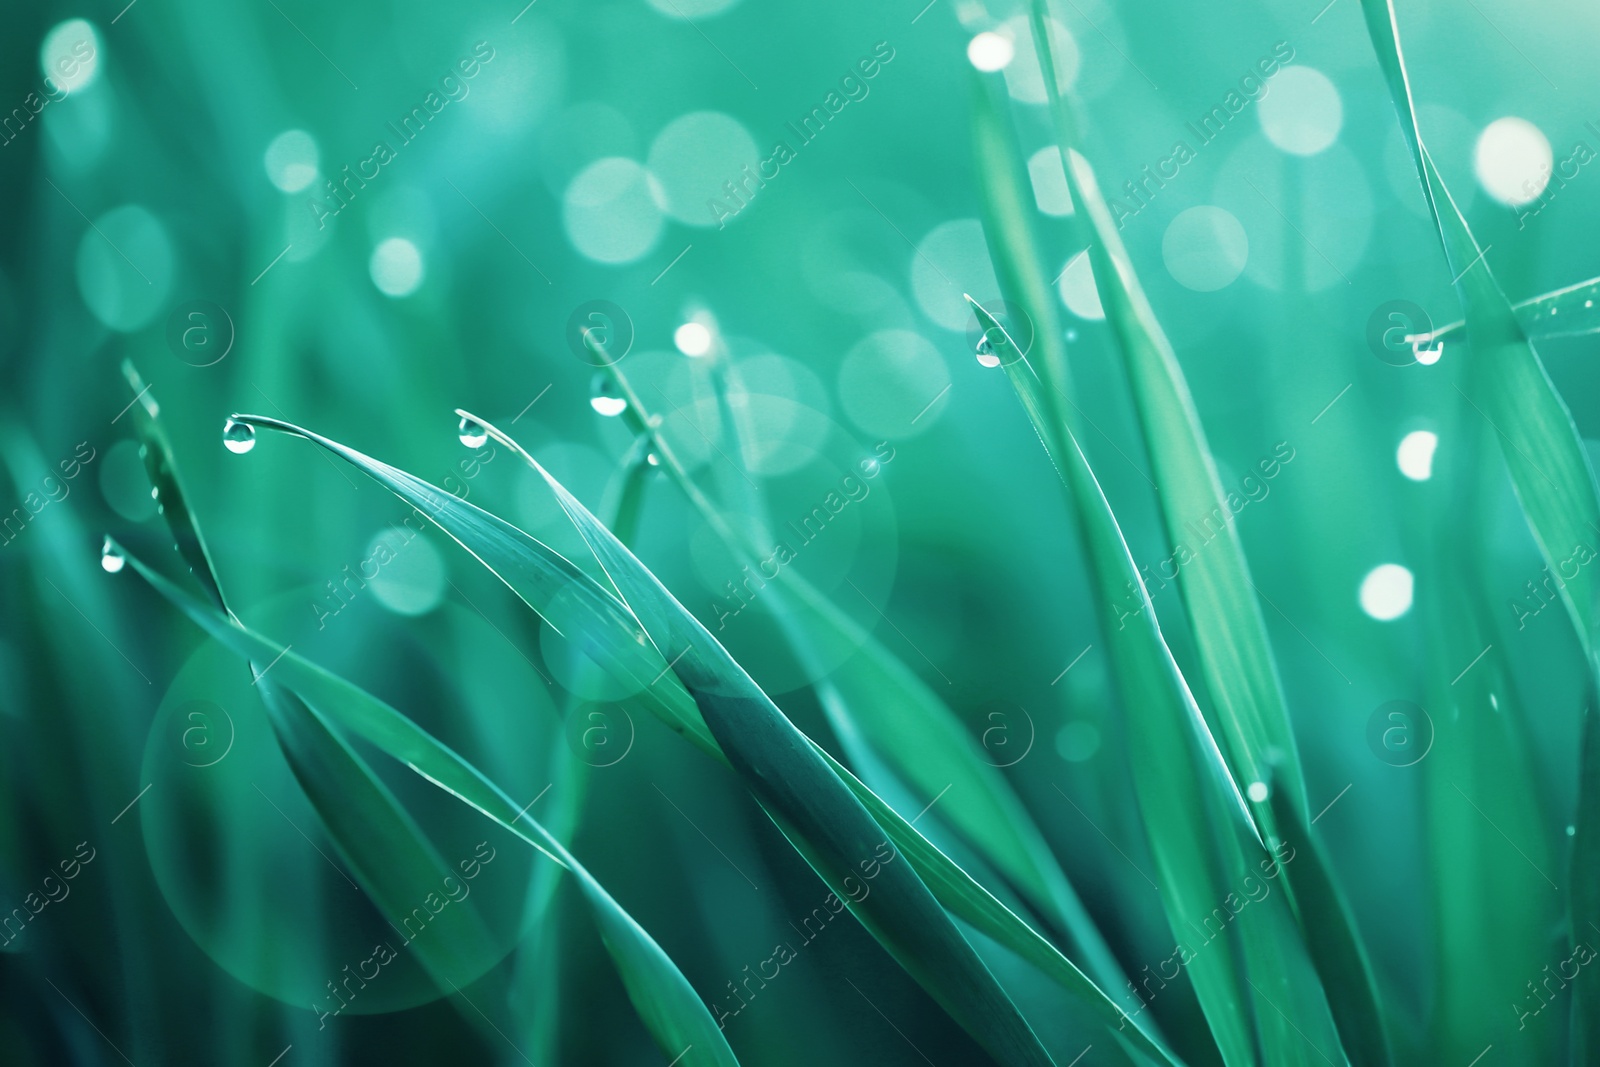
[(111, 559), (238, 437), (986, 355), (1426, 356), (473, 435), (605, 397)]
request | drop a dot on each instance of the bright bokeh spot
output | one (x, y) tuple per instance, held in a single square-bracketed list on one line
[(1386, 592), (1301, 112), (410, 572), (952, 259), (1078, 290), (291, 160), (1415, 454), (695, 157), (1078, 741), (396, 267), (1257, 791), (1512, 160), (610, 211), (70, 55), (692, 339), (125, 263), (990, 52), (894, 383), (1205, 248), (1049, 182)]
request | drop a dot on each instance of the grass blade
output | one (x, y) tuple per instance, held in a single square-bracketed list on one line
[(1203, 838)]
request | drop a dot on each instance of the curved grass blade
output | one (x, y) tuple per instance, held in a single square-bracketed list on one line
[(1549, 467), (799, 789), (1205, 843), (905, 722), (1571, 311), (511, 555), (1219, 597), (667, 1004)]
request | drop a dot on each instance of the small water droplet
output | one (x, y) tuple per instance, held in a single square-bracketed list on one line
[(111, 560), (1426, 356), (473, 435), (155, 494), (1571, 830), (653, 459), (605, 397), (239, 437), (986, 356)]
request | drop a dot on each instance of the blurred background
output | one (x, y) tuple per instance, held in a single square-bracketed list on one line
[(361, 217)]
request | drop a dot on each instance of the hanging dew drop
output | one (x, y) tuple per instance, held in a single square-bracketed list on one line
[(653, 459), (986, 354), (238, 437), (606, 398), (473, 435), (111, 559), (1424, 355)]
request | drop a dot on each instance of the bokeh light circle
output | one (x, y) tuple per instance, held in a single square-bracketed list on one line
[(291, 160), (1512, 160), (396, 267), (610, 211), (1386, 592), (894, 383), (125, 266), (69, 55), (1205, 248), (1301, 112), (408, 574), (693, 159)]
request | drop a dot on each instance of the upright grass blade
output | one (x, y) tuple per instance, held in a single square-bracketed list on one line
[(667, 1004), (902, 719), (1205, 844), (1549, 468), (524, 564), (1219, 597)]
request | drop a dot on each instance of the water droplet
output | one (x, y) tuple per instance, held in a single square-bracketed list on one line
[(239, 437), (1257, 791), (653, 459), (986, 356), (1426, 356), (111, 559), (473, 435), (155, 494), (605, 397)]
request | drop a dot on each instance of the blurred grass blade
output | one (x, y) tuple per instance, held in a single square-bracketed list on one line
[(1510, 389), (668, 1005), (509, 553), (799, 788), (903, 720), (1571, 311), (1205, 843), (1219, 596), (1549, 467)]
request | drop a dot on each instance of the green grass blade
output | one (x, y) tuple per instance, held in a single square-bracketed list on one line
[(1218, 594), (1507, 387), (904, 722), (801, 790), (1571, 311), (1254, 980), (667, 1004), (516, 558)]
